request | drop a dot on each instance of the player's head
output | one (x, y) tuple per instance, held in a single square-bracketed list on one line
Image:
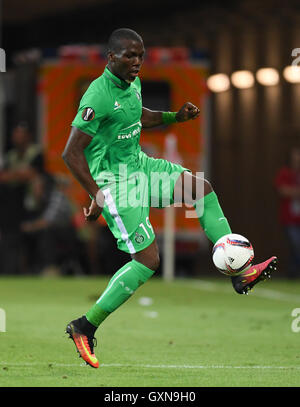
[(125, 53)]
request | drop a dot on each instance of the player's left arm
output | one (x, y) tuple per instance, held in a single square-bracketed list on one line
[(151, 118)]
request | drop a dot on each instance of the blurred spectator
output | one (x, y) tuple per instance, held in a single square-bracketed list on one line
[(21, 163), (24, 159), (49, 232), (288, 185)]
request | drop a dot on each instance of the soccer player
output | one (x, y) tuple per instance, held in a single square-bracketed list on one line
[(104, 154)]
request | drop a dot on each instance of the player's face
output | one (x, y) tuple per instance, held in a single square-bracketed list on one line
[(126, 63)]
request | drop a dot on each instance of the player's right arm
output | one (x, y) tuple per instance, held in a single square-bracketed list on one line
[(74, 158)]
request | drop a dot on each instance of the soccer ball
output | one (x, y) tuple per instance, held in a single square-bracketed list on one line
[(232, 254)]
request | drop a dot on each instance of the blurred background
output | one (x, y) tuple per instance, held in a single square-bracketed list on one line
[(233, 59)]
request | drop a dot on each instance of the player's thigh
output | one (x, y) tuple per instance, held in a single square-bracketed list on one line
[(129, 223), (162, 177), (189, 188)]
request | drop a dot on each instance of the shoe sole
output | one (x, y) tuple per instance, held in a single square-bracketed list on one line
[(265, 275), (71, 332)]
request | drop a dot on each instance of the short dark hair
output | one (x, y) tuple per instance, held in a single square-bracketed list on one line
[(114, 41)]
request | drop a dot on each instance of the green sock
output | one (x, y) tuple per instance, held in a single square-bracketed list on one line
[(121, 286), (211, 217)]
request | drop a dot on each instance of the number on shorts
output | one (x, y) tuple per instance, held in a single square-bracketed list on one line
[(149, 226)]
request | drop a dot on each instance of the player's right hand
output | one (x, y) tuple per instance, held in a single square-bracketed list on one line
[(93, 212)]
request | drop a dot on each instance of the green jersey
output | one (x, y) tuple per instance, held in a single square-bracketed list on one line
[(110, 112)]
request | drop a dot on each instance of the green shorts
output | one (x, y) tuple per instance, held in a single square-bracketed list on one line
[(128, 201)]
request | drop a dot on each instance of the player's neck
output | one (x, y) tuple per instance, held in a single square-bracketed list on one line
[(115, 73)]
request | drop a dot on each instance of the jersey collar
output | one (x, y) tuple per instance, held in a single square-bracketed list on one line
[(120, 83)]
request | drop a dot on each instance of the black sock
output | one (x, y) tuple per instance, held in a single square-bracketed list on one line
[(86, 327)]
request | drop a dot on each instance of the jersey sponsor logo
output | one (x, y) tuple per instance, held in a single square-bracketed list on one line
[(134, 133), (130, 134), (88, 114)]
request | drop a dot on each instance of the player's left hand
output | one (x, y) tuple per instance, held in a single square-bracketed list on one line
[(187, 112)]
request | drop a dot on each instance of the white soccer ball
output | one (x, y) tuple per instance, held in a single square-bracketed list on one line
[(232, 254)]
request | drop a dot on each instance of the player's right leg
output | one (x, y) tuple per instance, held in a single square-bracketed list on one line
[(82, 334), (135, 235), (120, 288)]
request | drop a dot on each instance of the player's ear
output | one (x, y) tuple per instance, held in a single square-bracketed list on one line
[(110, 56)]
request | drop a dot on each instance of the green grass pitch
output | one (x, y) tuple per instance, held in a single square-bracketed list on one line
[(195, 333)]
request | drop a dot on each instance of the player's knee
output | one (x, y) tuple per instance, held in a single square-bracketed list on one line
[(201, 188), (156, 262), (152, 262), (148, 259)]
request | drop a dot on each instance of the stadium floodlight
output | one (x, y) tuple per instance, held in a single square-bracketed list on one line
[(267, 76), (218, 82), (242, 79), (291, 73)]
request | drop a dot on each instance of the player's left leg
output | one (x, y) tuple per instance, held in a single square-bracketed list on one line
[(193, 190), (256, 273), (197, 191)]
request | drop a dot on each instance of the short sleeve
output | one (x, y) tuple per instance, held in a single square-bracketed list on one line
[(91, 112)]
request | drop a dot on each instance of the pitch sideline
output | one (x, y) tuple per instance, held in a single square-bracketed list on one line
[(147, 366)]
